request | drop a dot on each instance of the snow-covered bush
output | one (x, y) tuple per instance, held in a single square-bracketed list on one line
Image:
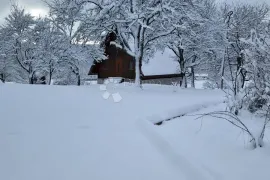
[(254, 96), (258, 68)]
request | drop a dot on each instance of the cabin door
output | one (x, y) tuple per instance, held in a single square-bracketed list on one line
[(118, 68)]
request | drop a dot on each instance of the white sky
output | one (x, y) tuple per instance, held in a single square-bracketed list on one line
[(38, 7), (35, 7)]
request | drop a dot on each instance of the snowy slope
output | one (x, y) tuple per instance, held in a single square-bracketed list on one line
[(220, 149), (69, 133)]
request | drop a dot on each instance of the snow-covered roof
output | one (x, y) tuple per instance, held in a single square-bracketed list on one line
[(103, 34), (120, 47), (201, 75), (161, 63), (116, 44)]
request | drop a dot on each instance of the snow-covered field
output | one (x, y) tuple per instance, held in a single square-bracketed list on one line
[(72, 133)]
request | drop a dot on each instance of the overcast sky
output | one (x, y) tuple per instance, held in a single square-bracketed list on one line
[(36, 7)]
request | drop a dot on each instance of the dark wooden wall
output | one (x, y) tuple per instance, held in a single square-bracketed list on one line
[(118, 64)]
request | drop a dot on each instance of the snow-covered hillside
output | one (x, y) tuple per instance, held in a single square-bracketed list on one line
[(72, 133)]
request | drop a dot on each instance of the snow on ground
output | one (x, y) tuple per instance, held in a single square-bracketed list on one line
[(54, 132), (199, 84)]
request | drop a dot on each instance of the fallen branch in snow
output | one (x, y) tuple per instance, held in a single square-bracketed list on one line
[(234, 120), (160, 122), (185, 111)]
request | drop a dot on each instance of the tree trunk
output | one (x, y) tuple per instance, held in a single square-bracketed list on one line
[(50, 75), (182, 67), (238, 77), (141, 73), (241, 72), (139, 48), (137, 73), (222, 72), (31, 75), (183, 83), (138, 70), (50, 78), (2, 78), (78, 80), (192, 72), (192, 77), (31, 80)]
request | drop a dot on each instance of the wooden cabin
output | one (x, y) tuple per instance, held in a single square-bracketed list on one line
[(119, 63)]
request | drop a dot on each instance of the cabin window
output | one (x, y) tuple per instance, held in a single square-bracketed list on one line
[(131, 65)]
